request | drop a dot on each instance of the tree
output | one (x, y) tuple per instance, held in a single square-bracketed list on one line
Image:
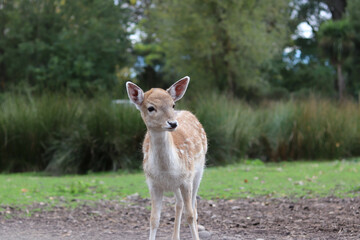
[(336, 41), (149, 52), (354, 65), (150, 63), (221, 44), (56, 44), (303, 69)]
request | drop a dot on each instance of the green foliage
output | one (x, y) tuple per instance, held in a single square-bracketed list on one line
[(308, 76), (151, 60), (229, 125), (220, 43), (27, 125), (336, 40), (104, 137), (310, 129), (354, 64), (336, 43), (59, 44), (68, 135), (152, 53), (306, 129), (313, 76), (76, 135), (306, 70)]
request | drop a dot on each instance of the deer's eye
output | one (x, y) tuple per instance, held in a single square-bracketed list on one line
[(150, 109), (174, 106)]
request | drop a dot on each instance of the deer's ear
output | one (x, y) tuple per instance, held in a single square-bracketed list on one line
[(178, 89), (135, 93)]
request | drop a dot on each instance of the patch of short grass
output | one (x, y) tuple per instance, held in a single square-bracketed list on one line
[(251, 178), (287, 179), (23, 189)]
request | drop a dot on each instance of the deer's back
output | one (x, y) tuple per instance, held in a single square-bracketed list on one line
[(190, 137)]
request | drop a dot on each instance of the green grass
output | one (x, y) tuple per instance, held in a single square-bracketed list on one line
[(288, 179), (22, 189), (249, 179)]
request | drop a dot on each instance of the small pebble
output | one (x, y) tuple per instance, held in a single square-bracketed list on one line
[(201, 228), (204, 235)]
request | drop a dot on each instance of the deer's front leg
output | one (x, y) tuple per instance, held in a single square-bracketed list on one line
[(178, 211), (156, 202), (186, 192)]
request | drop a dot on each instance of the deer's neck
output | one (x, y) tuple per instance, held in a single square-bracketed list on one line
[(162, 149)]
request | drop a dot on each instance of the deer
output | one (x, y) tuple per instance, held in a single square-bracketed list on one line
[(174, 150)]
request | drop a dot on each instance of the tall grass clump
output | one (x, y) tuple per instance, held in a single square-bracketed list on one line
[(274, 131), (26, 127), (65, 134), (309, 129), (106, 137), (327, 130), (71, 134), (229, 125)]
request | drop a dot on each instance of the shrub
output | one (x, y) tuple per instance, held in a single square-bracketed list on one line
[(310, 129), (291, 130), (26, 127), (229, 125), (69, 134), (106, 137)]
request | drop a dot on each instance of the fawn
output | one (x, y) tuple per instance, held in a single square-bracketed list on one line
[(174, 151)]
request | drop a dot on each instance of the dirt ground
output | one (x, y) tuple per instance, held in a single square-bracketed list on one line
[(259, 218)]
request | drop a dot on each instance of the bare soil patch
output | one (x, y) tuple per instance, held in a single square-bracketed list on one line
[(258, 218)]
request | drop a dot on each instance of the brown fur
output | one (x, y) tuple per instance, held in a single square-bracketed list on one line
[(189, 137)]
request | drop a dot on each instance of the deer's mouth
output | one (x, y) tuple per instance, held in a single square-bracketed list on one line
[(170, 129)]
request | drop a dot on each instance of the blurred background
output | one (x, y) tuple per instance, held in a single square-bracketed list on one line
[(271, 80)]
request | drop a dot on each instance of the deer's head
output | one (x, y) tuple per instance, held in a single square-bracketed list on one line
[(157, 105)]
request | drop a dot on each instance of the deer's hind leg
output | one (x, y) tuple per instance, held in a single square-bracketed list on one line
[(186, 192), (196, 184)]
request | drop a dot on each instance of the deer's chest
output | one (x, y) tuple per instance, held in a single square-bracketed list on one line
[(165, 171)]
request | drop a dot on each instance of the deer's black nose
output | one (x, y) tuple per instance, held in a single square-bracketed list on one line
[(173, 124)]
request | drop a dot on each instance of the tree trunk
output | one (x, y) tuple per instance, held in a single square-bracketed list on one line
[(2, 72), (341, 81), (337, 8)]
